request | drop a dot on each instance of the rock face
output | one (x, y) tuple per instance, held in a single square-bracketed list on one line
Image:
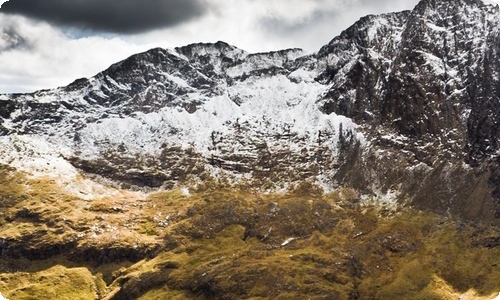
[(402, 105), (425, 82)]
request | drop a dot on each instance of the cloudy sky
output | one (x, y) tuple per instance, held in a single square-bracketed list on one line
[(49, 43)]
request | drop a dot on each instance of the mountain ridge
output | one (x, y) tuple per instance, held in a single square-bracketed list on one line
[(416, 88)]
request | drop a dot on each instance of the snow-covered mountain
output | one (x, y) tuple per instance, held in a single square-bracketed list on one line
[(399, 106)]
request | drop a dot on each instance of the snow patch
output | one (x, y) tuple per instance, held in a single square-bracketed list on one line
[(492, 2), (388, 200), (287, 241), (435, 27), (303, 75), (38, 158), (373, 30), (185, 191)]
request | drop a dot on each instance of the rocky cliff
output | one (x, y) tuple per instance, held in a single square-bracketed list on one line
[(425, 83)]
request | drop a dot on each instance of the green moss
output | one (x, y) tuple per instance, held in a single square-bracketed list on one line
[(13, 188), (409, 281), (165, 293), (148, 229), (55, 283)]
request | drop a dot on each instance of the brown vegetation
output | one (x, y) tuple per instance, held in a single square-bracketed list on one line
[(219, 243)]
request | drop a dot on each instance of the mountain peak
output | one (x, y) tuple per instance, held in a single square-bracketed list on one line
[(214, 49)]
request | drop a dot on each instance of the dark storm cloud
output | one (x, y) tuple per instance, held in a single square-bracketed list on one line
[(116, 16)]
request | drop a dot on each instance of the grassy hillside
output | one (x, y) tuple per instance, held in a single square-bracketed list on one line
[(221, 243)]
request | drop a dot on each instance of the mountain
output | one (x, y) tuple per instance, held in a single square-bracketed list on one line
[(399, 106), (424, 82), (206, 171)]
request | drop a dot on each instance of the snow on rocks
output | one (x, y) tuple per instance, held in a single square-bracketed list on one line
[(268, 105), (39, 158), (240, 112), (492, 2)]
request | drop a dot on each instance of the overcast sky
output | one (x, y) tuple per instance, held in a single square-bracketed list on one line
[(49, 43)]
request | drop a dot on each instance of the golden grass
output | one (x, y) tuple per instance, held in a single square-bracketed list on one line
[(55, 283), (226, 243)]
